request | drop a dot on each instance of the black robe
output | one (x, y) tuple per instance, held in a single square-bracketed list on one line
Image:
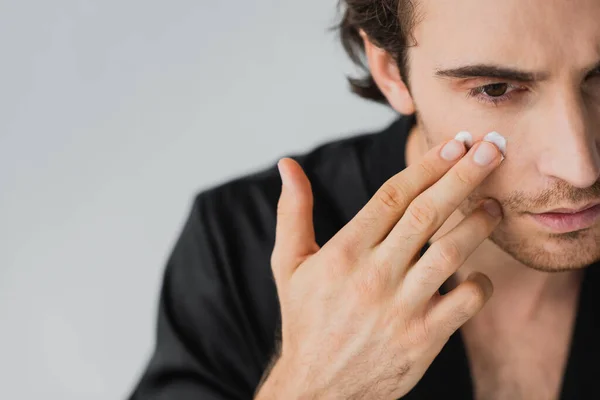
[(219, 311)]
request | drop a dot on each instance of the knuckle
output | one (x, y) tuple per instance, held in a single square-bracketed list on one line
[(418, 332), (347, 249), (382, 260), (459, 318), (430, 274), (354, 233), (422, 214), (449, 252), (393, 196), (369, 283), (367, 220), (428, 169), (338, 264), (464, 178)]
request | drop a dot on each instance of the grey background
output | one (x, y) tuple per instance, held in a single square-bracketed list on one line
[(113, 114)]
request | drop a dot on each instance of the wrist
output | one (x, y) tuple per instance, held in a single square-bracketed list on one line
[(284, 382)]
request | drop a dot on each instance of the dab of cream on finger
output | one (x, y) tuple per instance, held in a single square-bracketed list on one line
[(498, 140), (465, 137), (493, 137)]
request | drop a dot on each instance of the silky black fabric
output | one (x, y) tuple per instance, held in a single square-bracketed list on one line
[(219, 311)]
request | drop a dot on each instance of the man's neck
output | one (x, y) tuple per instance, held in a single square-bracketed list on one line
[(519, 291)]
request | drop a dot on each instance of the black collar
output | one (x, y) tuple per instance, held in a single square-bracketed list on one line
[(386, 158)]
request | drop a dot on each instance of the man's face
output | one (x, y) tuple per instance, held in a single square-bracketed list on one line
[(551, 122)]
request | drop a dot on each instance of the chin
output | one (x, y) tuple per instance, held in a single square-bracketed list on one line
[(549, 252)]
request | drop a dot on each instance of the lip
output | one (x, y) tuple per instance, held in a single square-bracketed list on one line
[(563, 222), (571, 210)]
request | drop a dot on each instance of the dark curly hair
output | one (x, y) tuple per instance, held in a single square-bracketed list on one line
[(389, 25)]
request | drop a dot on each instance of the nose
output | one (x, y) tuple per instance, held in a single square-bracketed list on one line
[(570, 142)]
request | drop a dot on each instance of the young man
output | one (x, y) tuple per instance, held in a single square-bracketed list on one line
[(366, 273)]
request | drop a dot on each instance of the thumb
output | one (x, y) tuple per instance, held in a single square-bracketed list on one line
[(295, 234)]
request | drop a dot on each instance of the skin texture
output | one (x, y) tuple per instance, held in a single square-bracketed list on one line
[(552, 126)]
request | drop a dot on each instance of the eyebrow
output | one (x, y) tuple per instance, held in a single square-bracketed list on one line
[(492, 71)]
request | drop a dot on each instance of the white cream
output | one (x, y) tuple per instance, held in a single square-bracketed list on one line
[(498, 140), (465, 137)]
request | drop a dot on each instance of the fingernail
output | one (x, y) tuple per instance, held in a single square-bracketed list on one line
[(493, 208), (452, 150), (464, 137), (485, 154), (498, 140)]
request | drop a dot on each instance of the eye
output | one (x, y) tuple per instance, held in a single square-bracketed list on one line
[(494, 93), (495, 89)]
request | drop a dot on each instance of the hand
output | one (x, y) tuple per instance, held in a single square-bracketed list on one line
[(362, 317)]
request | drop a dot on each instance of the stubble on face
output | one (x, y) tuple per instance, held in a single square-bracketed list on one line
[(521, 239)]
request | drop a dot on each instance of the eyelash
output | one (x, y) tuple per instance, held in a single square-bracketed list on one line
[(478, 92)]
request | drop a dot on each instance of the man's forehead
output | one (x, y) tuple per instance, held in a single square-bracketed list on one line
[(507, 11), (532, 34)]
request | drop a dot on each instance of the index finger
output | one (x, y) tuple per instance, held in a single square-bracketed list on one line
[(382, 212)]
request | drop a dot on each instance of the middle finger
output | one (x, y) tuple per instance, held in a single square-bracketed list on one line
[(428, 211)]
